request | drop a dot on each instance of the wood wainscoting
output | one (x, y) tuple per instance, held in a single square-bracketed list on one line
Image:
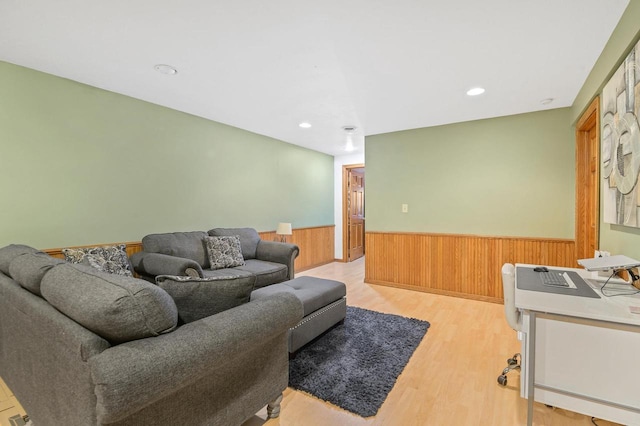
[(456, 265), (316, 246)]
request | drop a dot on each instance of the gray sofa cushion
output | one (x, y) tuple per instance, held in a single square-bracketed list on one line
[(115, 307), (8, 253), (227, 272), (28, 269), (189, 245), (201, 297), (249, 239), (224, 251), (266, 272)]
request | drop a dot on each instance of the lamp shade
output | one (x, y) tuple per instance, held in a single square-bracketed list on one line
[(283, 229)]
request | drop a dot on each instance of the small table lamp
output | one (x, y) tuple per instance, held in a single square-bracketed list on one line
[(283, 230)]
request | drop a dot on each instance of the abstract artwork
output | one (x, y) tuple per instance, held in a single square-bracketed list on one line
[(620, 143)]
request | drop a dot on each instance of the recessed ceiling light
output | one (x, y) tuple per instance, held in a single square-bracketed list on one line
[(546, 101), (304, 125), (165, 69), (475, 91)]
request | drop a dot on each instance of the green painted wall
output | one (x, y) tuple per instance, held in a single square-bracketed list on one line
[(613, 238), (507, 176), (616, 49), (80, 165)]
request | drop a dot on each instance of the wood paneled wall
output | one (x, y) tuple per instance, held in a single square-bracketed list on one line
[(457, 265), (316, 246)]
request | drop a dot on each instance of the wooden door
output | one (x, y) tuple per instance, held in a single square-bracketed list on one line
[(587, 181), (355, 214)]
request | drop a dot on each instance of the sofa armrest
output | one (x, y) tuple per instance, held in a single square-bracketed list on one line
[(133, 375), (153, 264), (273, 251)]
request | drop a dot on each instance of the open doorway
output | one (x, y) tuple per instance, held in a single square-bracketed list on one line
[(353, 212)]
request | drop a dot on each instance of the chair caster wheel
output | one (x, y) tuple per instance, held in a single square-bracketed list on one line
[(512, 361), (502, 380)]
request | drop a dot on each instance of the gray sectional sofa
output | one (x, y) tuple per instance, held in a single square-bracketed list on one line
[(180, 263), (83, 347), (185, 254)]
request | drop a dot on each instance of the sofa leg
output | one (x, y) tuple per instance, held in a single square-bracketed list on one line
[(273, 408)]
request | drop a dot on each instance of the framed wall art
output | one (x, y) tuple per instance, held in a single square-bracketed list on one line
[(620, 143)]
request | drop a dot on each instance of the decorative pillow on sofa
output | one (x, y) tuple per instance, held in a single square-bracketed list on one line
[(224, 251), (201, 297), (111, 259), (115, 307), (249, 239)]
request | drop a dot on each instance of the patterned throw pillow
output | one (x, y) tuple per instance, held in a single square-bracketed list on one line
[(111, 259), (224, 251)]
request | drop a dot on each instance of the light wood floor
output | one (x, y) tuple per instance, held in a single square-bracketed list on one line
[(451, 378)]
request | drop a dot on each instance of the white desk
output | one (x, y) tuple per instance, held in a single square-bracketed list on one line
[(582, 353)]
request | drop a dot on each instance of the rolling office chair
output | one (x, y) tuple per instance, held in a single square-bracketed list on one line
[(512, 315)]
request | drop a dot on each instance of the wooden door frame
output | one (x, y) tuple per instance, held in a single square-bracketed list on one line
[(582, 126), (345, 179)]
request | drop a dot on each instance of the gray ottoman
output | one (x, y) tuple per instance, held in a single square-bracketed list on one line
[(324, 303)]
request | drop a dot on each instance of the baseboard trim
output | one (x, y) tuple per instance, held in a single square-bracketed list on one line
[(436, 291), (326, 262)]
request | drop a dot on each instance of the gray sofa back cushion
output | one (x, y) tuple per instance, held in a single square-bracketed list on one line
[(188, 245), (115, 307), (8, 253), (28, 269), (249, 239)]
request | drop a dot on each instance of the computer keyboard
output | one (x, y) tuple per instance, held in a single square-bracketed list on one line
[(553, 279)]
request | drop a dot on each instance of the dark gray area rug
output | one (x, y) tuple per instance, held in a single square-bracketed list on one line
[(355, 364)]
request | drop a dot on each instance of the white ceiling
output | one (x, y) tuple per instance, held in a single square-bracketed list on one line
[(265, 66)]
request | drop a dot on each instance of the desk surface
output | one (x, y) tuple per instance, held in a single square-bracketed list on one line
[(614, 309)]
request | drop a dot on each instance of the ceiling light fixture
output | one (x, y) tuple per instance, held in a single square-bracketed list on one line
[(165, 69), (304, 125), (349, 147), (475, 91)]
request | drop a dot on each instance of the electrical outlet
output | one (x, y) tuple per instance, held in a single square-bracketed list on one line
[(405, 208), (601, 253)]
